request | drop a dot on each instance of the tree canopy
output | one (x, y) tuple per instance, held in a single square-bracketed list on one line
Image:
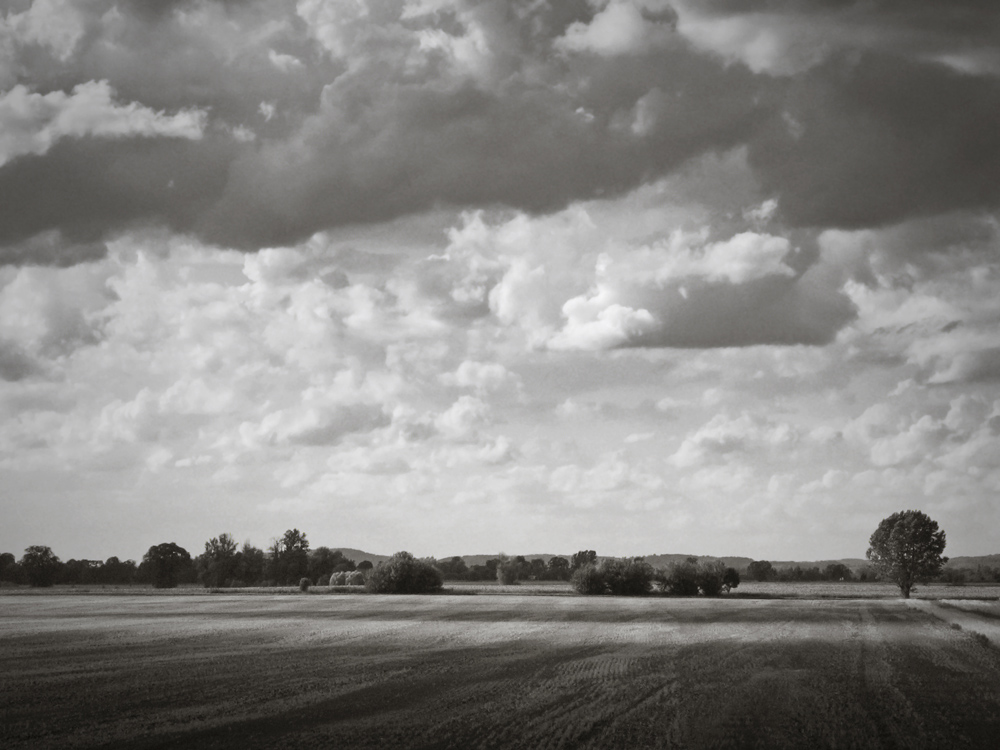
[(906, 548), (166, 564), (40, 565)]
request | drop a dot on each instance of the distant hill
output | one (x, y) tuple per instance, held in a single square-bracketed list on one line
[(662, 561), (854, 563), (991, 561), (471, 560), (358, 556)]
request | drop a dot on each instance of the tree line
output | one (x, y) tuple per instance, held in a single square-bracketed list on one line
[(285, 562), (224, 563), (906, 548), (762, 570)]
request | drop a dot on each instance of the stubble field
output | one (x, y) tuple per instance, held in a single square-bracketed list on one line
[(234, 671)]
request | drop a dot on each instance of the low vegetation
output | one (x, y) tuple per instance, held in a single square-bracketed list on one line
[(404, 574)]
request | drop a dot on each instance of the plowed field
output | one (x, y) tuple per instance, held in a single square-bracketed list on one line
[(492, 671)]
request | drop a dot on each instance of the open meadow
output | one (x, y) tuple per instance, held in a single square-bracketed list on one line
[(510, 670)]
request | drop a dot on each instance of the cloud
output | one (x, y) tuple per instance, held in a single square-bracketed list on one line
[(595, 324), (15, 363), (50, 248), (56, 24), (681, 290), (394, 109), (315, 425), (620, 27), (788, 38), (482, 377), (962, 357), (942, 458), (463, 419), (925, 296), (880, 139), (723, 436), (315, 115), (49, 313), (31, 123)]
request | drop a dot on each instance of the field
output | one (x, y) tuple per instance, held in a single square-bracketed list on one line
[(507, 670)]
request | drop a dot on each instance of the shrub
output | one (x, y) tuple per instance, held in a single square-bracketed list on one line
[(338, 579), (404, 574), (588, 579), (323, 581), (681, 579), (304, 584), (711, 575), (730, 579), (355, 578), (629, 576)]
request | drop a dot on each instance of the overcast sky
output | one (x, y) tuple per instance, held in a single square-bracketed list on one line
[(462, 276)]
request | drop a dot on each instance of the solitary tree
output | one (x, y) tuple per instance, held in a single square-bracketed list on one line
[(906, 547), (40, 565)]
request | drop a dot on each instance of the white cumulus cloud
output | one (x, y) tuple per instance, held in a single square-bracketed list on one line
[(31, 123)]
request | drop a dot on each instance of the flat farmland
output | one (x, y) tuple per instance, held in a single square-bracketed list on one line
[(236, 671)]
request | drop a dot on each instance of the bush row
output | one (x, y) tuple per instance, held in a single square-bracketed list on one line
[(633, 576)]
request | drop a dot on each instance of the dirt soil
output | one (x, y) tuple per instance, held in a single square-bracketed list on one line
[(481, 672)]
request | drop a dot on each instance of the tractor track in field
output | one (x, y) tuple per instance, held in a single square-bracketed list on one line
[(454, 672)]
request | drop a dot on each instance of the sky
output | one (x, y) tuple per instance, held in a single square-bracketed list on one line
[(463, 276)]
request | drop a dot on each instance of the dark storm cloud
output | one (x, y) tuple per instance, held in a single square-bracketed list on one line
[(15, 363), (50, 248), (878, 140), (374, 153), (82, 189), (323, 114)]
